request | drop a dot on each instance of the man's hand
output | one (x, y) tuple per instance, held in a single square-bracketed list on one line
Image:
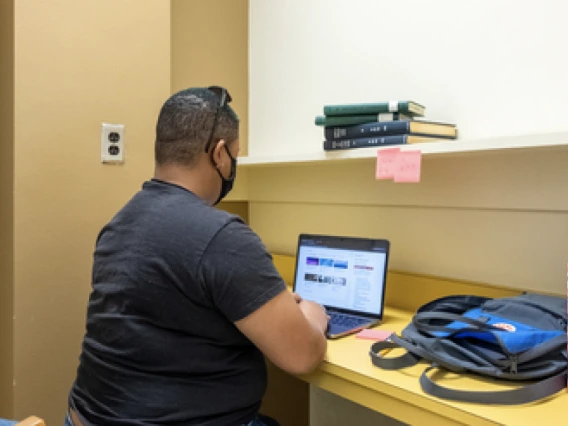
[(290, 331), (315, 314)]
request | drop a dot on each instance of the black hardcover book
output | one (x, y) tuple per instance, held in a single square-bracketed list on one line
[(338, 144), (422, 128)]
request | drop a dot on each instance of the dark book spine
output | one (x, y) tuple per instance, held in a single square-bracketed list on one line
[(338, 144), (367, 130)]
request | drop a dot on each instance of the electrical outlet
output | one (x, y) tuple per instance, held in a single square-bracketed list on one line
[(112, 143)]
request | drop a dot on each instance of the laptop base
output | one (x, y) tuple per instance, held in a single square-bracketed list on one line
[(335, 331)]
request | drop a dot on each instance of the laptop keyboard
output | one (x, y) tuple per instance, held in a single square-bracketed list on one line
[(347, 320)]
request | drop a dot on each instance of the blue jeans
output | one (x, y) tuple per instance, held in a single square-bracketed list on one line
[(263, 421), (259, 421)]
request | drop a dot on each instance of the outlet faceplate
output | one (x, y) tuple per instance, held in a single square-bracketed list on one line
[(112, 143)]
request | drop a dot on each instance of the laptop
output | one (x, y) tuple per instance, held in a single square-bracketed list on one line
[(347, 276)]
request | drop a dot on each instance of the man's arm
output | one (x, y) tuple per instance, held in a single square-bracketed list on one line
[(291, 334), (239, 275)]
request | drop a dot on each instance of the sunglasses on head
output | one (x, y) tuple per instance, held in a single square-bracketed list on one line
[(224, 99)]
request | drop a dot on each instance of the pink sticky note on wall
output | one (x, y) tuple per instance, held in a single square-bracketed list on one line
[(407, 167), (386, 163)]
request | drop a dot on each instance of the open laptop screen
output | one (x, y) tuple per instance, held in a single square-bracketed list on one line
[(341, 272)]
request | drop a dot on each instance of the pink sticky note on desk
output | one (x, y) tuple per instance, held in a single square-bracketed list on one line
[(386, 163), (370, 334), (407, 167)]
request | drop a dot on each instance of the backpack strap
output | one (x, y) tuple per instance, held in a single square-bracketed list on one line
[(422, 323), (413, 355), (453, 304), (529, 393), (391, 363)]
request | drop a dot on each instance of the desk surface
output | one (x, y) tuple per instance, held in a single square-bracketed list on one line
[(348, 372)]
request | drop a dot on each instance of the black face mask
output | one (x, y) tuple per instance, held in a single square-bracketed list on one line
[(227, 184)]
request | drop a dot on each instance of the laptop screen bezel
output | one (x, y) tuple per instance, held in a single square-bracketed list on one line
[(350, 243)]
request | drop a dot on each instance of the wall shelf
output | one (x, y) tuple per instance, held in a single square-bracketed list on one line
[(458, 147)]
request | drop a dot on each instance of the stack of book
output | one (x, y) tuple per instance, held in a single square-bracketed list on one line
[(375, 124)]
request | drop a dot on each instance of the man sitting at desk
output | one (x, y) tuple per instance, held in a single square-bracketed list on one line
[(185, 298)]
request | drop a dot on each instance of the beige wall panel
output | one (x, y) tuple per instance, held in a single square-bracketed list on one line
[(77, 64), (519, 249)]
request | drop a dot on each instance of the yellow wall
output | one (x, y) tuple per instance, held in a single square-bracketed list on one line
[(6, 202), (78, 64), (500, 219), (210, 47)]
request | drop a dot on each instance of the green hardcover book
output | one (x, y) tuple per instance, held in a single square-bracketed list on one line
[(406, 107), (348, 120)]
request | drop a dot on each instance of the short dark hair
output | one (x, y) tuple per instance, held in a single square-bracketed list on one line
[(185, 123)]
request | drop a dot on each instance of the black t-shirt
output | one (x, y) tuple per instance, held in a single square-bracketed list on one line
[(171, 275)]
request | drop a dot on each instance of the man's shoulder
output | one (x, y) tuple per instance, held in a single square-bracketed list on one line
[(171, 210), (235, 237)]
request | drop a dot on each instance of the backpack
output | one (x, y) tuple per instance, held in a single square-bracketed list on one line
[(521, 338)]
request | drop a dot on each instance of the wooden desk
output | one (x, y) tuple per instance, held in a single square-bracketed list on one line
[(349, 373)]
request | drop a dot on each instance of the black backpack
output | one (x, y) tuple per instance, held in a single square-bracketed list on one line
[(521, 338)]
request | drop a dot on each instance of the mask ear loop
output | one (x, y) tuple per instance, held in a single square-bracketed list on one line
[(233, 164), (224, 96)]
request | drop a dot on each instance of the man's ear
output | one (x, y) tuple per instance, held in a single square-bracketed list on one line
[(216, 154)]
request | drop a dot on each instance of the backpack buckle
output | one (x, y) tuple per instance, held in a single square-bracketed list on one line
[(514, 364)]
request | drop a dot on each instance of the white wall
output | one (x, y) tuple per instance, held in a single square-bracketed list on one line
[(494, 67)]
